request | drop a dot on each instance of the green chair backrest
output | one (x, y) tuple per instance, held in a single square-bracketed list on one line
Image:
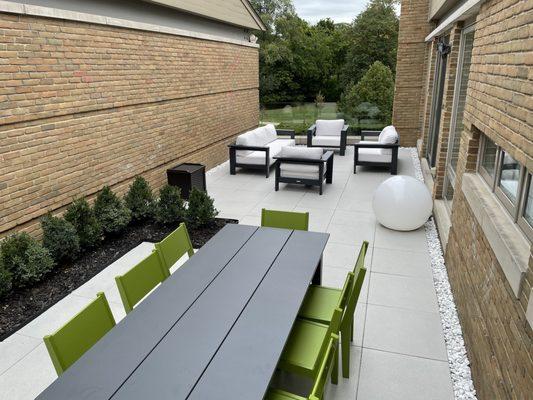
[(174, 246), (285, 219), (140, 280), (354, 296), (333, 328), (361, 257), (79, 334), (317, 393), (346, 290)]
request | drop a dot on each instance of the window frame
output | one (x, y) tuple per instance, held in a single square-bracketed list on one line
[(525, 180), (522, 221), (506, 201), (487, 177)]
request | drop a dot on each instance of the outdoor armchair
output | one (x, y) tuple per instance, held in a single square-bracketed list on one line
[(383, 153), (303, 165), (328, 133), (257, 148)]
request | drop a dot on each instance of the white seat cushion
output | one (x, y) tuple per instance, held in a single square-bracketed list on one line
[(271, 132), (329, 127), (276, 146), (258, 157), (307, 153), (254, 158), (303, 171), (373, 155), (327, 141)]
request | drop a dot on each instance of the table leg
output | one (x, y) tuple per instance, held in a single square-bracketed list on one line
[(317, 278)]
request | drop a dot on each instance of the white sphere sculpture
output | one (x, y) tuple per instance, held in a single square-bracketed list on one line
[(402, 203)]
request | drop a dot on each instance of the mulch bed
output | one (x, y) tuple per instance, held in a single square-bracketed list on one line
[(22, 306)]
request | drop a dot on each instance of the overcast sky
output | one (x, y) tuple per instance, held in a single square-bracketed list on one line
[(338, 10)]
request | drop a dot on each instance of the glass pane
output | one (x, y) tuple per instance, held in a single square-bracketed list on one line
[(528, 211), (510, 177), (468, 42), (489, 157)]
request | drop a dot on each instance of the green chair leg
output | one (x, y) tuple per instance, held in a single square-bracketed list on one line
[(345, 349)]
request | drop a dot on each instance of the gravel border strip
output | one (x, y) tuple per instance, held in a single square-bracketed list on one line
[(458, 362)]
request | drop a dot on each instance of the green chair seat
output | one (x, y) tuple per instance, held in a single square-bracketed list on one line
[(319, 303), (302, 351), (285, 219), (276, 394), (79, 334)]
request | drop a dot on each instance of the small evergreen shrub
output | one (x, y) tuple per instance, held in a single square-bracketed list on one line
[(25, 258), (81, 216), (111, 212), (170, 208), (201, 209), (6, 281), (140, 200), (60, 238)]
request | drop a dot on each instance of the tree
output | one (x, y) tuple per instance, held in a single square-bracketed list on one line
[(373, 37), (372, 96)]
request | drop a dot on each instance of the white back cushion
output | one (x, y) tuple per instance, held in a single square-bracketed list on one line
[(308, 153), (388, 135), (271, 132), (329, 127)]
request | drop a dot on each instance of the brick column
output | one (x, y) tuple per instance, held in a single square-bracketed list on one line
[(447, 110), (410, 67)]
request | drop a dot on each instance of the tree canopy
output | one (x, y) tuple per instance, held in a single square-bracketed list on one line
[(298, 61)]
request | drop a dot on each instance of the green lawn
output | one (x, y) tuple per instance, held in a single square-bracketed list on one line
[(301, 116)]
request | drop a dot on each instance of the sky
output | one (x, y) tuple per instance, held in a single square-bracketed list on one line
[(338, 10)]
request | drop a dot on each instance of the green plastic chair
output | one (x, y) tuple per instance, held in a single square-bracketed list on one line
[(317, 393), (174, 246), (320, 303), (79, 334), (307, 345), (140, 280), (285, 219)]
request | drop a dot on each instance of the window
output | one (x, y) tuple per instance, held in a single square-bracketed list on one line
[(510, 181), (526, 218)]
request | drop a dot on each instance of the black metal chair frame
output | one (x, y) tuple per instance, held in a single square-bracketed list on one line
[(393, 164), (233, 164), (344, 135), (327, 160)]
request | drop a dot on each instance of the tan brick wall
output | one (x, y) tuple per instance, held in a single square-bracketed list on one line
[(84, 105), (499, 104), (410, 70)]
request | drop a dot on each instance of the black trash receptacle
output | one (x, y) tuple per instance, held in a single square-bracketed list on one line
[(186, 176)]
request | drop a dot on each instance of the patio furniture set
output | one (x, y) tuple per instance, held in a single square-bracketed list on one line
[(247, 304), (311, 165)]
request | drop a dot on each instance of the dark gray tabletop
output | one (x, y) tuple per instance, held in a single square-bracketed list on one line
[(183, 340)]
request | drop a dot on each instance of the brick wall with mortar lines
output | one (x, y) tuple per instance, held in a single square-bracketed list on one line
[(84, 105), (410, 70), (499, 105)]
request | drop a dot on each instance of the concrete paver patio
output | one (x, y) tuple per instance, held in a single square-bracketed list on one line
[(398, 350)]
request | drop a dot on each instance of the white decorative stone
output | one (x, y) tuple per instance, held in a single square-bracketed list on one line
[(402, 203)]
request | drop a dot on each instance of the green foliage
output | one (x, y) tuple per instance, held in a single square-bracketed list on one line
[(25, 259), (373, 37), (111, 212), (140, 200), (81, 216), (201, 209), (170, 208), (298, 60), (60, 238), (6, 281), (372, 96)]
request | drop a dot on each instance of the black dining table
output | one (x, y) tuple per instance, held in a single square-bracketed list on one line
[(215, 329)]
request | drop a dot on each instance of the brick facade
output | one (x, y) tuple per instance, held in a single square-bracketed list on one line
[(498, 104), (84, 105), (409, 84)]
